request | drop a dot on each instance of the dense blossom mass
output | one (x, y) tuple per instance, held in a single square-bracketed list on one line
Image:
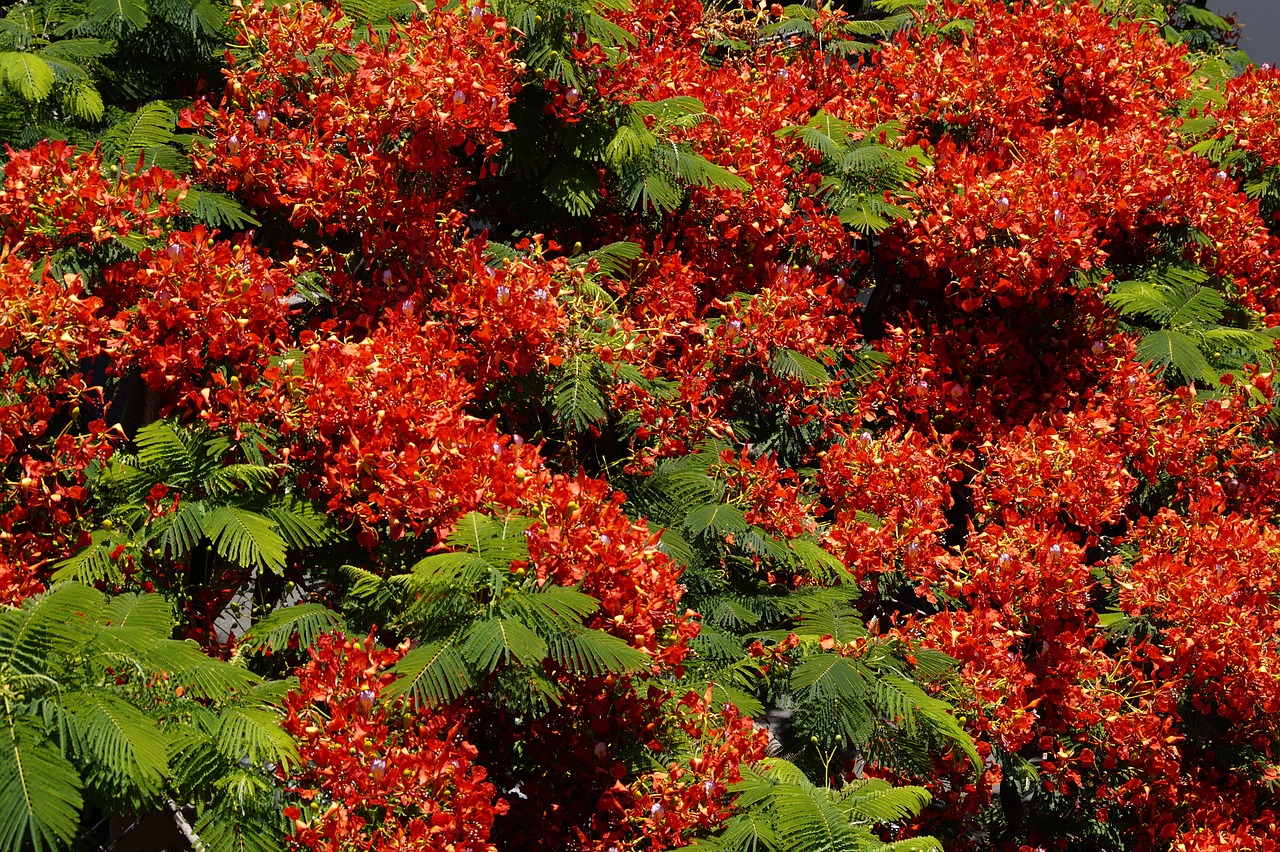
[(605, 426)]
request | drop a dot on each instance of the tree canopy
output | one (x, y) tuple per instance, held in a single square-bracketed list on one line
[(607, 425)]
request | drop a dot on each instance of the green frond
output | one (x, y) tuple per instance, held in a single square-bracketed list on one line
[(572, 186), (645, 189), (789, 27), (594, 653), (254, 733), (732, 683), (1202, 305), (865, 365), (27, 74), (77, 51), (178, 533), (824, 134), (805, 812), (816, 561), (692, 169), (204, 677), (246, 538), (446, 574), (862, 215), (578, 399), (299, 522), (1204, 18), (225, 827), (908, 703), (615, 259), (730, 611), (744, 832), (497, 640), (666, 495), (432, 674), (724, 692), (833, 700), (152, 614), (757, 541), (632, 141), (1253, 342), (86, 101), (121, 744), (775, 771), (828, 615), (48, 627), (896, 6), (40, 791), (716, 519), (552, 608), (498, 542), (923, 843), (195, 763), (675, 546), (206, 17), (147, 129), (216, 210), (166, 451), (231, 478), (306, 621), (119, 14), (932, 663), (1133, 298), (831, 677), (1175, 350), (93, 563), (790, 364), (780, 810), (669, 109), (881, 802)]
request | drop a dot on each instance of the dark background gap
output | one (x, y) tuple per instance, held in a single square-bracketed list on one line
[(1261, 22)]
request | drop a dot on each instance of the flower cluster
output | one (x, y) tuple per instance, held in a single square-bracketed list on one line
[(375, 773)]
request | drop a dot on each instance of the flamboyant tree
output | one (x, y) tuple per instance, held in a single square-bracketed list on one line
[(604, 426)]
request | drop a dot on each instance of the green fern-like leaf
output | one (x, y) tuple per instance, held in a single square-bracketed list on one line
[(254, 733), (780, 810), (86, 101), (165, 450), (51, 627), (552, 608), (119, 14), (831, 677), (573, 187), (119, 740), (908, 702), (142, 133), (816, 561), (716, 519), (299, 522), (175, 535), (245, 538), (307, 622), (216, 210), (496, 640), (615, 259), (579, 400), (27, 74), (433, 674), (793, 365), (693, 169), (594, 653), (1175, 350), (40, 791), (93, 563)]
